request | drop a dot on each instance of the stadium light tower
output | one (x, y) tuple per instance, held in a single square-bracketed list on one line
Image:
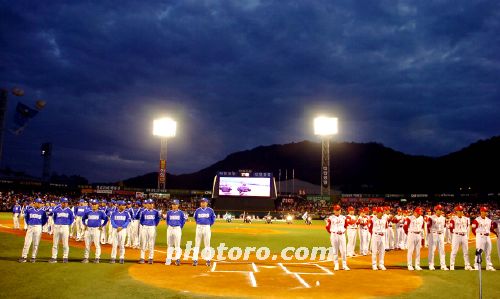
[(325, 127), (163, 128)]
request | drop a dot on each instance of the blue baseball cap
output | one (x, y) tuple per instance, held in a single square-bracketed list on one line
[(64, 199), (175, 201), (81, 200), (204, 199), (113, 201), (104, 201), (38, 200), (120, 203), (138, 202), (94, 201)]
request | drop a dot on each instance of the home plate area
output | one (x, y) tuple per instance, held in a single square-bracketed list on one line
[(268, 275)]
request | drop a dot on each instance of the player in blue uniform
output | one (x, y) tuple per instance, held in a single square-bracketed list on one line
[(104, 207), (175, 222), (149, 219), (80, 211), (205, 218), (16, 212), (63, 218), (35, 219), (120, 220), (93, 222)]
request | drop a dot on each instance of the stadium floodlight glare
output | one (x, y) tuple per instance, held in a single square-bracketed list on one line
[(325, 126), (164, 127)]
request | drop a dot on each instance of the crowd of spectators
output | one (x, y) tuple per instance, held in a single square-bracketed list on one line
[(298, 206)]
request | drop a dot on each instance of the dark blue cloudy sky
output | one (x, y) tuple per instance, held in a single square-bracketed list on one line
[(421, 77)]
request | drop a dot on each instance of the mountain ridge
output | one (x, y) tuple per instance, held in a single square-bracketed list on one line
[(355, 167)]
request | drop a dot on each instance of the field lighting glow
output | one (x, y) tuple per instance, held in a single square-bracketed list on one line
[(164, 127), (325, 126)]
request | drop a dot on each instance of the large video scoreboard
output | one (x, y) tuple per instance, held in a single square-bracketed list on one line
[(244, 183)]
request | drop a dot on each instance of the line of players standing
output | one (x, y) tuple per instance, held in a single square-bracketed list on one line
[(381, 231), (129, 225)]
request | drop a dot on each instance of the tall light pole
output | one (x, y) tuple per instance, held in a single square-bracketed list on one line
[(325, 127), (163, 128)]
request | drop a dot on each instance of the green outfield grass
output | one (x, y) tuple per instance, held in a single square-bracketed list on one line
[(74, 280)]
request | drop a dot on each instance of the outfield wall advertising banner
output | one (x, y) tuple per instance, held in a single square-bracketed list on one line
[(245, 186)]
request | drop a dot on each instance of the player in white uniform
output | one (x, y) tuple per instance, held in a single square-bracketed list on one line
[(413, 227), (436, 226), (482, 226), (428, 214), (378, 229), (205, 218), (336, 227), (496, 229), (447, 233), (459, 227), (364, 232), (389, 237), (399, 220), (352, 231)]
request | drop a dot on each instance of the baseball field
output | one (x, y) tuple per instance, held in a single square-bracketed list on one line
[(275, 277)]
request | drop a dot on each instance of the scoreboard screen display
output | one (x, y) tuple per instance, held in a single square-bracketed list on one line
[(245, 186)]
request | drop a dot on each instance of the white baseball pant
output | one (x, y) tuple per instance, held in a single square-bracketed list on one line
[(484, 243), (436, 240), (414, 244), (15, 218), (61, 232), (202, 232), (103, 235), (135, 233), (25, 225), (33, 234), (498, 248), (45, 228), (110, 233), (364, 240), (447, 236), (92, 235), (174, 234), (457, 241), (128, 243), (118, 239), (79, 227), (338, 244), (50, 221), (400, 237), (351, 240), (148, 238), (378, 247), (426, 235), (71, 229), (389, 238)]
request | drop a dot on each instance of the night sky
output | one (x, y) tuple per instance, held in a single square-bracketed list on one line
[(422, 77)]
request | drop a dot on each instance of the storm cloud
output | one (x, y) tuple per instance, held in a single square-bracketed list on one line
[(418, 76)]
